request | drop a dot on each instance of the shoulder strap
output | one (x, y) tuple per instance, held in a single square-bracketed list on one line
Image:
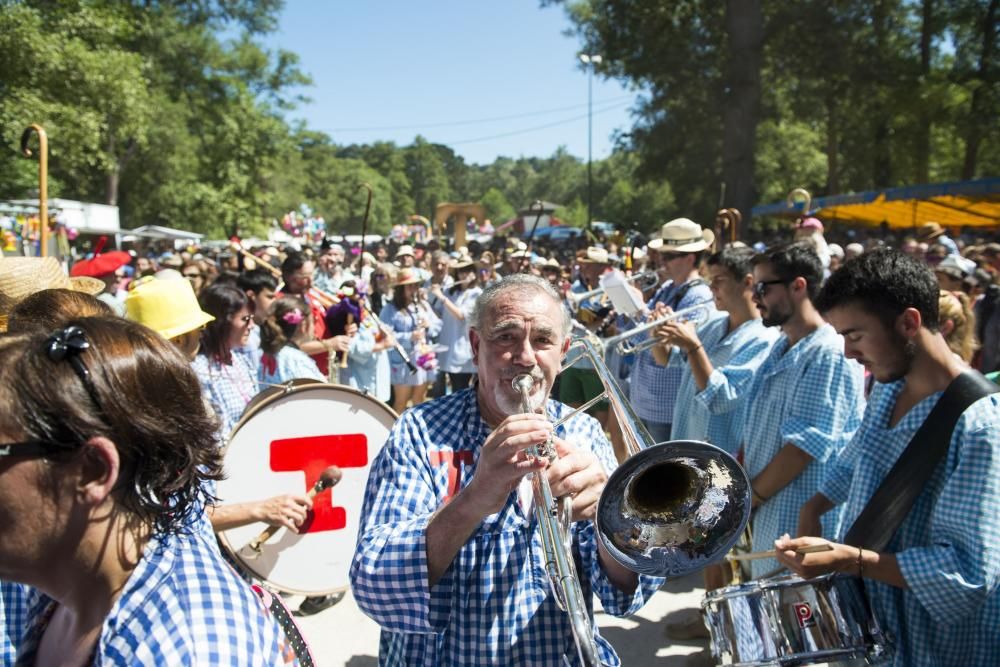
[(891, 502), (682, 292)]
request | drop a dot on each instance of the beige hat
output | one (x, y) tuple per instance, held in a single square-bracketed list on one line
[(463, 260), (168, 307), (929, 231), (23, 276), (407, 276), (682, 235), (593, 255), (404, 250)]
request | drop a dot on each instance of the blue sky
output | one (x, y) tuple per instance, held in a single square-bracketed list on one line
[(455, 72)]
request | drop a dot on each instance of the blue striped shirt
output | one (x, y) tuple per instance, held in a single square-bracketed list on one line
[(494, 604), (809, 396), (948, 547), (182, 605), (653, 392), (711, 414)]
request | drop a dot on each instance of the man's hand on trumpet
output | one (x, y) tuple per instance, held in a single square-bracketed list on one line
[(682, 334), (578, 474)]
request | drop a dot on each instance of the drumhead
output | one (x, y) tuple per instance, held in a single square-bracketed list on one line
[(281, 445)]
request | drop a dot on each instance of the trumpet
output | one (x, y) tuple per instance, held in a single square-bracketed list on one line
[(698, 314), (553, 519), (643, 280)]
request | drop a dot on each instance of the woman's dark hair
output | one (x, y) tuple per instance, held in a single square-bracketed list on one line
[(795, 260), (277, 330), (884, 283), (399, 297), (459, 287), (49, 308), (737, 261), (142, 395), (222, 302)]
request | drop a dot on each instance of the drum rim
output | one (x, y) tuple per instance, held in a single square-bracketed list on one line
[(249, 414)]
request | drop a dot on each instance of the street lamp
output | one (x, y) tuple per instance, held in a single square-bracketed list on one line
[(592, 60)]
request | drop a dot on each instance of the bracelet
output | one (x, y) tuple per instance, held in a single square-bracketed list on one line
[(755, 498), (695, 349), (861, 563)]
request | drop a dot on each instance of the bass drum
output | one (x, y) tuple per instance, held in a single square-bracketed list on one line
[(286, 438)]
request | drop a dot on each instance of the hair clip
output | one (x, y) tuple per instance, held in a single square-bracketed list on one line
[(66, 345), (293, 317)]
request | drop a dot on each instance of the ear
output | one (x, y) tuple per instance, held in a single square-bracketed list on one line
[(799, 286), (474, 340), (99, 469), (747, 281), (908, 323)]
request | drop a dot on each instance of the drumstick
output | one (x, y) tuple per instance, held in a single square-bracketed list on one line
[(757, 555), (327, 479)]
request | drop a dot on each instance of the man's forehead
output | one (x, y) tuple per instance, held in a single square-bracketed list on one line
[(525, 307)]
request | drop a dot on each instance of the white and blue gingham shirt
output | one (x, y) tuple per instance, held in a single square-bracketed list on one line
[(494, 605), (711, 414), (809, 396), (289, 363), (653, 392), (182, 605), (14, 601), (228, 387), (948, 547)]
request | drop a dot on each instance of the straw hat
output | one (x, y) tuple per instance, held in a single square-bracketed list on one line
[(168, 307), (23, 276), (593, 255), (404, 250), (682, 235), (463, 260), (929, 231), (407, 276)]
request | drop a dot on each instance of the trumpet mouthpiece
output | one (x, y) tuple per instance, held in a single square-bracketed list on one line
[(523, 383)]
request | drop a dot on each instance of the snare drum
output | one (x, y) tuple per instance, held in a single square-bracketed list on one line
[(788, 620), (286, 438)]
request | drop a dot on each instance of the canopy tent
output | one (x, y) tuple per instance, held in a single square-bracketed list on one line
[(960, 204), (164, 233)]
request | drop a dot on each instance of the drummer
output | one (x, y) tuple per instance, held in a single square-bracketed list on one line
[(101, 486), (937, 585)]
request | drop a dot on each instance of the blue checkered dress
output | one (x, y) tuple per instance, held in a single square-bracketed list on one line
[(14, 601), (494, 605), (228, 388), (183, 605), (810, 396), (653, 392), (948, 547), (710, 414)]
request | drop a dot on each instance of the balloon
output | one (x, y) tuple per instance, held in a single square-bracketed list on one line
[(72, 233)]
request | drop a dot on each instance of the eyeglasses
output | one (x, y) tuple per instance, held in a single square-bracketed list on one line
[(760, 288), (670, 256), (192, 275), (29, 448)]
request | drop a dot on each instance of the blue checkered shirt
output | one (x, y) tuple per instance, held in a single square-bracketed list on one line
[(288, 364), (494, 604), (228, 388), (653, 392), (182, 605), (810, 396), (711, 414), (14, 602), (948, 547)]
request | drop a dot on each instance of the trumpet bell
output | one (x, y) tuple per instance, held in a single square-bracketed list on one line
[(674, 508)]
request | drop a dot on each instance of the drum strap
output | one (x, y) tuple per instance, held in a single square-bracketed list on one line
[(891, 502)]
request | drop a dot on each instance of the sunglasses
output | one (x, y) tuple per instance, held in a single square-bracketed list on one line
[(192, 275), (30, 448), (760, 287)]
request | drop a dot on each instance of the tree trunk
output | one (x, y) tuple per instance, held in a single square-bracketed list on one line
[(745, 30), (112, 178), (881, 128), (832, 146), (979, 115)]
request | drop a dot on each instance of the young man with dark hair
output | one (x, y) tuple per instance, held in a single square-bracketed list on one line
[(806, 400), (935, 585)]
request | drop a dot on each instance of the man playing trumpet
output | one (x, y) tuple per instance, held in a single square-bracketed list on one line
[(449, 558)]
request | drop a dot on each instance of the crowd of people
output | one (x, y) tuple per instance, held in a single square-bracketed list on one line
[(814, 364)]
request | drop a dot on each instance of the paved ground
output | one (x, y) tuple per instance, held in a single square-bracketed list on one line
[(343, 636)]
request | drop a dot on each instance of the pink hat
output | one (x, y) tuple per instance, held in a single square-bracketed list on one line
[(810, 223)]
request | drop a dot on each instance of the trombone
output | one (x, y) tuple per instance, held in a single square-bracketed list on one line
[(698, 314), (643, 281)]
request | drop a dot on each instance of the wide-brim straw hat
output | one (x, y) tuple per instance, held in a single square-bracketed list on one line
[(682, 235), (593, 255), (167, 306), (23, 276), (461, 262), (403, 251), (407, 276), (929, 231)]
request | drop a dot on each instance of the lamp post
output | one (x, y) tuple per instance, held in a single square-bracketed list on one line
[(591, 60)]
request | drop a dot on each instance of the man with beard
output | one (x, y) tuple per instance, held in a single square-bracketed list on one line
[(935, 585), (449, 559), (806, 400)]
